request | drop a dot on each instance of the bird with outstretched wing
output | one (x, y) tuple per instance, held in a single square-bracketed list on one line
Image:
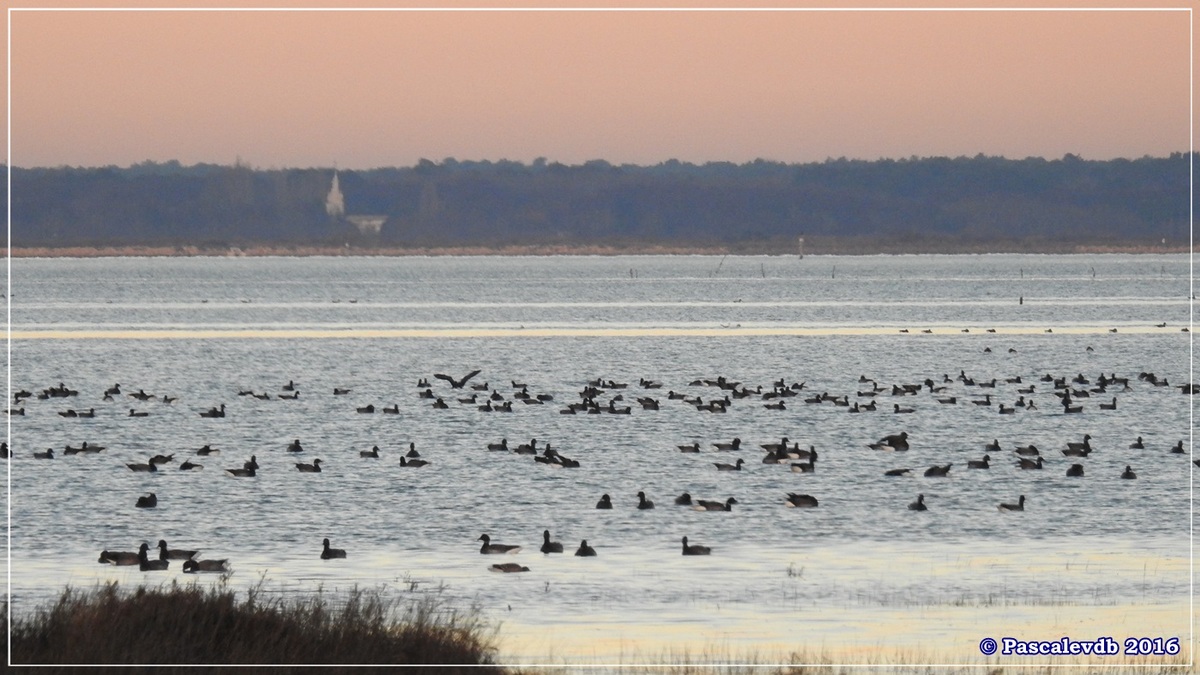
[(457, 384)]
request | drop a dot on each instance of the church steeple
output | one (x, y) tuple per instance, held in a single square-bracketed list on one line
[(335, 203)]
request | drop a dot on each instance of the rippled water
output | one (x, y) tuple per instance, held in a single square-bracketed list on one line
[(779, 578)]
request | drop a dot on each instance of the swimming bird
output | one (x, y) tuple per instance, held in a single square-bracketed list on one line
[(801, 501), (695, 549), (684, 499), (148, 501), (315, 467), (730, 467), (214, 412), (241, 473), (1075, 471), (898, 410), (706, 505), (807, 467), (147, 565), (644, 503), (501, 446), (119, 557), (585, 551), (550, 546), (328, 553), (208, 450), (1019, 506), (393, 410), (979, 463), (918, 505), (457, 384), (188, 465), (194, 566), (490, 548), (367, 409), (897, 472), (1028, 451), (694, 447), (337, 391), (295, 446), (415, 463), (1137, 445), (373, 453), (89, 449), (935, 471), (1177, 449), (1086, 445), (152, 468), (1128, 474), (1029, 463), (736, 444), (166, 553), (605, 502), (48, 454), (162, 459), (1109, 406), (252, 464), (892, 442), (994, 446), (134, 413), (509, 568)]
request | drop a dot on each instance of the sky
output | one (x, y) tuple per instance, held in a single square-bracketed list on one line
[(364, 89)]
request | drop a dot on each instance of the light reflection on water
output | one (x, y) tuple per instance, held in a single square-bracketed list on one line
[(859, 575)]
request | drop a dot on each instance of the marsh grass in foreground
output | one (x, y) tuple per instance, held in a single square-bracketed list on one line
[(186, 624)]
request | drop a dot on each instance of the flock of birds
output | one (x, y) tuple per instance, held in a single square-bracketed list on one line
[(601, 396)]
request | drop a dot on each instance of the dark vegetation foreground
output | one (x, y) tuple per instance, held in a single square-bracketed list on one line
[(189, 625)]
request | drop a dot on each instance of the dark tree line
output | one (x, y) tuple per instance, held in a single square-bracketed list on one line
[(454, 203)]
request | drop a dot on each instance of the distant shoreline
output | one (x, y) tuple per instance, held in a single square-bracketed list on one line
[(832, 248)]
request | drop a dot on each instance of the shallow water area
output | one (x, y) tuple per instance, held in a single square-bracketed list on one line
[(860, 577)]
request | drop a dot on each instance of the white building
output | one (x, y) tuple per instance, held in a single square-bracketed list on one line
[(335, 206), (335, 203)]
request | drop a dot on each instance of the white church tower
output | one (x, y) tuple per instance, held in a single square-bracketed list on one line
[(335, 203)]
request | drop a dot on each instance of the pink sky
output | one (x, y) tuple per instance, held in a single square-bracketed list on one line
[(368, 89)]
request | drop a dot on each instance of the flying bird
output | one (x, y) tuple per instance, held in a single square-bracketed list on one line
[(457, 384)]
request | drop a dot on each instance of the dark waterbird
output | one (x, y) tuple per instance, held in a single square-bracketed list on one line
[(145, 564), (695, 549), (328, 553), (194, 566), (643, 503), (166, 553), (457, 384), (119, 557), (550, 546), (1019, 506), (490, 548)]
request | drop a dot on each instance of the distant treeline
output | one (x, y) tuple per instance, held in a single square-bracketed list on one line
[(761, 204)]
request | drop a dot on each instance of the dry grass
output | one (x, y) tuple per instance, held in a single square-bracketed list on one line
[(189, 625)]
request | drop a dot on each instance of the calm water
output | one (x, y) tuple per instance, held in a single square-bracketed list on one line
[(852, 573)]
